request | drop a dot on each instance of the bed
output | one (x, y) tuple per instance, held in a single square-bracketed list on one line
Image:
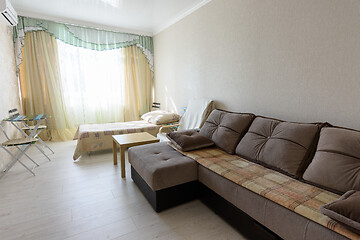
[(96, 137)]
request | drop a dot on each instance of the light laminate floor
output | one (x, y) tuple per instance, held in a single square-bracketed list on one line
[(89, 200)]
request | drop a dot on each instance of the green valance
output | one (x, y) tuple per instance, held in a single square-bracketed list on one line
[(90, 38)]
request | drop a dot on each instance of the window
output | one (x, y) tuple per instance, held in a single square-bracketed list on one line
[(92, 83)]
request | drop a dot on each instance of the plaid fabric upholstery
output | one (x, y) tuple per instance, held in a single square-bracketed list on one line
[(292, 194)]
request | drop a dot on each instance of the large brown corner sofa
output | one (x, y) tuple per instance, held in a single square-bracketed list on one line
[(265, 176)]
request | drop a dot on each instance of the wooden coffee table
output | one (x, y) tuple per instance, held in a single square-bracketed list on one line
[(129, 140)]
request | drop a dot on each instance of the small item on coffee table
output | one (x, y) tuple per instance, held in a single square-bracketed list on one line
[(345, 210), (189, 140)]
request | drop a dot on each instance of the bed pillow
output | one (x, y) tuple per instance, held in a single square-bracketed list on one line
[(336, 164), (283, 146), (226, 129), (345, 210), (189, 140), (147, 116), (159, 117)]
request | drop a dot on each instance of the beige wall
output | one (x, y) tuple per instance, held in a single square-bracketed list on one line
[(294, 60), (9, 94)]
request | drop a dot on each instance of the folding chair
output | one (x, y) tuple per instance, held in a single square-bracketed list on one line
[(22, 144), (34, 132)]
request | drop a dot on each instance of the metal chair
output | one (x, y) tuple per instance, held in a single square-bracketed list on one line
[(22, 144), (14, 112)]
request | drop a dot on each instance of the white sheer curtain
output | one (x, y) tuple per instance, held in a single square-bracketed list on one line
[(93, 83)]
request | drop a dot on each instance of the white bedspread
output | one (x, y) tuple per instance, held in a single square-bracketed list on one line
[(95, 137)]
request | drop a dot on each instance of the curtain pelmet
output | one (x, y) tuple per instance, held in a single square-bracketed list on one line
[(78, 36)]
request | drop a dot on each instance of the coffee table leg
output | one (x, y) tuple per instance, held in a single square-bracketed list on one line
[(122, 159), (115, 152)]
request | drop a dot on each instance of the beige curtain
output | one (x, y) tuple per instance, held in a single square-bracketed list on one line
[(41, 84), (138, 81)]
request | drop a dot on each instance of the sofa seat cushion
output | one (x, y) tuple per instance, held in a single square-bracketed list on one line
[(189, 140), (161, 166), (283, 146), (336, 164), (285, 223), (226, 129), (294, 195)]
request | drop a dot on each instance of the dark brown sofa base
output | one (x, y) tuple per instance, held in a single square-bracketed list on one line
[(242, 222), (169, 197)]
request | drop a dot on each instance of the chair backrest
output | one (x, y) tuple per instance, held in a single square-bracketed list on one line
[(196, 114)]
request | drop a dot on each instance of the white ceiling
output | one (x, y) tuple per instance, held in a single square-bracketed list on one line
[(136, 16)]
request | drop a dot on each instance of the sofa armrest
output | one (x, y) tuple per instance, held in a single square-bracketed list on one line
[(167, 128)]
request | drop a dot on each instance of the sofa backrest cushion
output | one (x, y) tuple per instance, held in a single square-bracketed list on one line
[(336, 164), (282, 146), (226, 129)]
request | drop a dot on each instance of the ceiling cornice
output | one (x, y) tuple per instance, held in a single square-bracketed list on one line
[(155, 30), (82, 23), (177, 18)]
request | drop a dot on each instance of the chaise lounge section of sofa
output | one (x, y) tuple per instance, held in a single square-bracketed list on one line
[(253, 177)]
